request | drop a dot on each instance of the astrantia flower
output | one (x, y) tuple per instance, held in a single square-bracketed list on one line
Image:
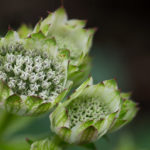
[(33, 75), (88, 114), (71, 35)]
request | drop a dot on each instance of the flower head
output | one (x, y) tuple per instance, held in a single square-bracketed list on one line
[(88, 114), (69, 34), (33, 71)]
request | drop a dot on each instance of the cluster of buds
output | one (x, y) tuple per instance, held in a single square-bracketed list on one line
[(38, 68)]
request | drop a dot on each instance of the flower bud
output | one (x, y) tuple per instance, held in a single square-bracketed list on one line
[(89, 112)]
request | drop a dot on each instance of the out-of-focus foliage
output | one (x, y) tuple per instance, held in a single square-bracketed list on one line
[(127, 142), (15, 144)]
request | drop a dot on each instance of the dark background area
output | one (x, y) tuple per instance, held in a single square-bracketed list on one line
[(121, 45)]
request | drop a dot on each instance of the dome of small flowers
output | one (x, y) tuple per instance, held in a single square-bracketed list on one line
[(33, 73)]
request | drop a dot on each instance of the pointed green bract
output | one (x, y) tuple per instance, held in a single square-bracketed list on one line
[(128, 111), (5, 92), (88, 113), (126, 95), (24, 30), (88, 135), (46, 144), (81, 72), (33, 73)]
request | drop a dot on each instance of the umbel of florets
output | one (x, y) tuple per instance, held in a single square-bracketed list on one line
[(91, 112), (32, 73)]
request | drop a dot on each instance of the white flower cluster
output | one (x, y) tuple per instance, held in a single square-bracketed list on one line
[(31, 73), (85, 109)]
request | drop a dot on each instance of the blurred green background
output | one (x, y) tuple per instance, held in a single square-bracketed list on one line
[(120, 50)]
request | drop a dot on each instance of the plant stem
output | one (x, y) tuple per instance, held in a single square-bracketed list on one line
[(5, 121)]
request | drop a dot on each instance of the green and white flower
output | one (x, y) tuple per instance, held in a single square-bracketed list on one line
[(33, 75), (88, 114), (71, 35)]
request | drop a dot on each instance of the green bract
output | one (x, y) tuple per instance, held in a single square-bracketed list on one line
[(46, 144), (24, 31), (128, 111), (89, 112), (33, 74)]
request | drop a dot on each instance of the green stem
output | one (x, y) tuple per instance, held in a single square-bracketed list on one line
[(5, 121)]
